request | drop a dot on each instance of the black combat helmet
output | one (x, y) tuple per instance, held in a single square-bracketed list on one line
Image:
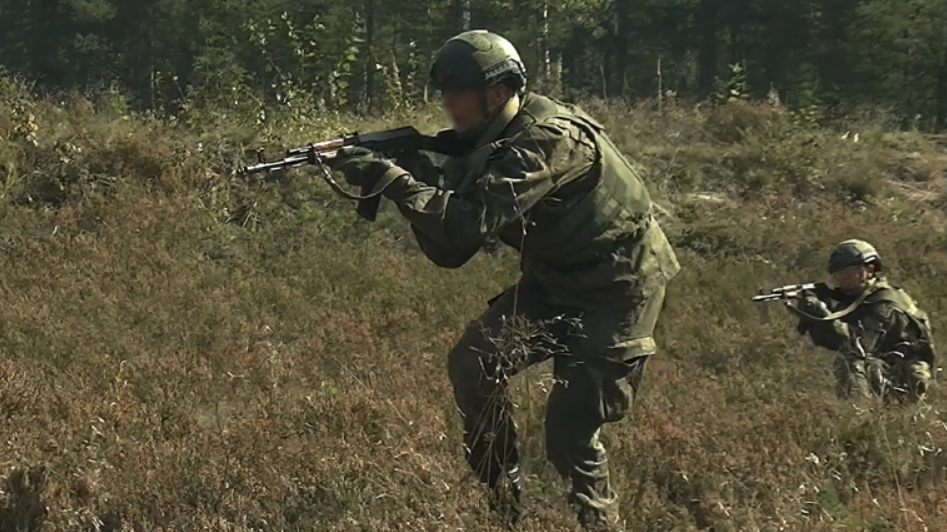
[(852, 252), (477, 59)]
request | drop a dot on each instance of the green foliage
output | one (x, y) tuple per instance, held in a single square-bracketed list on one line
[(736, 86)]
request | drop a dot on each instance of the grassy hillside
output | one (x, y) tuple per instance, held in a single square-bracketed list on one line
[(182, 350)]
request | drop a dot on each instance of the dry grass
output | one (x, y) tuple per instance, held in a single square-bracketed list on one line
[(180, 350)]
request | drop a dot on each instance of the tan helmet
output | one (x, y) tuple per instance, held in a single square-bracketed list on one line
[(851, 252)]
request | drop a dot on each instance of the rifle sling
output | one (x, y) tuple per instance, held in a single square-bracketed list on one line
[(383, 183), (839, 314)]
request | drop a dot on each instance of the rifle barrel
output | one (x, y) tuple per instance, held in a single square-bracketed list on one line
[(288, 162), (320, 147)]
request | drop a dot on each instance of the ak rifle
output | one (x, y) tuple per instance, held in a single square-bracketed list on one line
[(392, 143)]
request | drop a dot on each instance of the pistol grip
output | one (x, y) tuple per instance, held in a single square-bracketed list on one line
[(368, 208)]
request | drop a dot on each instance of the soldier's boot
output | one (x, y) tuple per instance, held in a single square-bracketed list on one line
[(916, 377), (596, 502), (492, 454), (507, 499), (599, 519), (605, 527)]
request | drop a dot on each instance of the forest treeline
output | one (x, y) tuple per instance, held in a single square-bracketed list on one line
[(829, 57)]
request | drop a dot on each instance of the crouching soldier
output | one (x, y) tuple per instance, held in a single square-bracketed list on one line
[(883, 339), (544, 178)]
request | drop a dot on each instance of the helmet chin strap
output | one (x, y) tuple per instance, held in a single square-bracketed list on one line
[(864, 285), (497, 119)]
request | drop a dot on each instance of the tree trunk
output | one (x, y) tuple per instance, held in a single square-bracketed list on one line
[(774, 61), (619, 45), (707, 13), (369, 54), (909, 76), (735, 27), (47, 25), (555, 77), (571, 70), (940, 96), (463, 7), (544, 78)]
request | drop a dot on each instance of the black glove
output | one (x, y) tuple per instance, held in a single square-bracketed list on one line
[(807, 308), (813, 306), (448, 142), (360, 166)]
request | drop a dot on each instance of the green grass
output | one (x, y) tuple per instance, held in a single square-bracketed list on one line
[(181, 349)]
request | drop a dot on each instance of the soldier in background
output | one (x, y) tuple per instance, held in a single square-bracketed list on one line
[(883, 339), (542, 177)]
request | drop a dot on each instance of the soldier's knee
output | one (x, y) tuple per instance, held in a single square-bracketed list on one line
[(464, 368), (463, 363)]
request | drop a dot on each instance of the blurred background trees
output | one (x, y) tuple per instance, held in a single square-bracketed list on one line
[(830, 57)]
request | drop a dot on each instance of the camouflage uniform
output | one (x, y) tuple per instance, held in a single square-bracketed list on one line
[(894, 332), (543, 178), (883, 339), (556, 190)]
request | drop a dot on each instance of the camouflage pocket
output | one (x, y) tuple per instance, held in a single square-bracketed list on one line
[(664, 257), (618, 394), (603, 390), (617, 398)]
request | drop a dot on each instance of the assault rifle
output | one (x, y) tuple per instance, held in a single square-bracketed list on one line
[(793, 291), (392, 143)]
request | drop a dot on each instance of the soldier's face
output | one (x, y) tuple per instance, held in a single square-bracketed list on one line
[(466, 108), (851, 279), (469, 108)]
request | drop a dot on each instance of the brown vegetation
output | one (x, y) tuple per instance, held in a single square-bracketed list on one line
[(183, 350)]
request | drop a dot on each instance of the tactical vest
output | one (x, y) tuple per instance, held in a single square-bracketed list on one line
[(618, 207), (884, 292)]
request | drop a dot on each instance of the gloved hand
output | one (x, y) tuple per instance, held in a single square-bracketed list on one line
[(813, 306), (450, 143), (360, 166)]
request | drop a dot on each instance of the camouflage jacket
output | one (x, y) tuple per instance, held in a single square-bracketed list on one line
[(887, 320), (549, 183)]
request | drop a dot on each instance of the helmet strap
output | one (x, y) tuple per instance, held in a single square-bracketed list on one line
[(498, 119), (866, 285), (495, 121)]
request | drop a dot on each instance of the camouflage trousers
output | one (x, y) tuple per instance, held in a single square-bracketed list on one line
[(597, 377), (872, 376)]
